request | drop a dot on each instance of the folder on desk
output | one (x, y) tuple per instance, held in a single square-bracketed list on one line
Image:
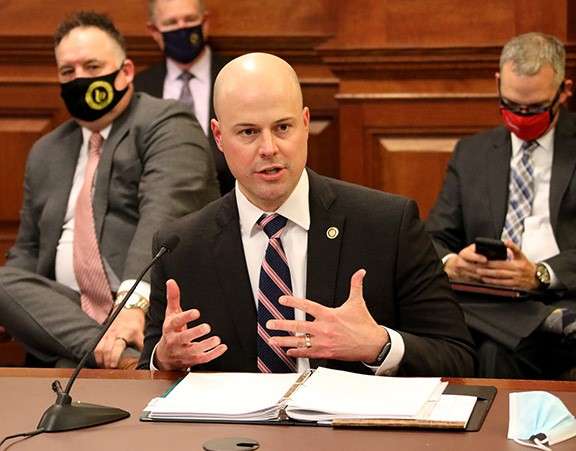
[(323, 397)]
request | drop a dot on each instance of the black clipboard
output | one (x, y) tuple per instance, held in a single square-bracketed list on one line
[(485, 396)]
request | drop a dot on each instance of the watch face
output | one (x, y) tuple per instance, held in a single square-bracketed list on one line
[(542, 274)]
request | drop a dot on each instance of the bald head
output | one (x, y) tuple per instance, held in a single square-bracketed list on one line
[(253, 76)]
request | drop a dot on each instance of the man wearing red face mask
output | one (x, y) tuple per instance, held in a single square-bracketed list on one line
[(515, 183)]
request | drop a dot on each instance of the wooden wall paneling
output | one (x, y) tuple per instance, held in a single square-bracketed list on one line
[(414, 167), (404, 139), (28, 110)]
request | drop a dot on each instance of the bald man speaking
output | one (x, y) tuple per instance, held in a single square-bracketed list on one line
[(293, 270)]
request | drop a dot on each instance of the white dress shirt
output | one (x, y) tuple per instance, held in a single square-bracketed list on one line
[(64, 265), (538, 241), (295, 243), (200, 85)]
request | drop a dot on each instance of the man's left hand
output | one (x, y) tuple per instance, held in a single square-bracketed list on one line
[(347, 332), (519, 272), (127, 328)]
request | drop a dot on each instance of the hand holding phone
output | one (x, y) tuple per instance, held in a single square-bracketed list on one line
[(491, 249)]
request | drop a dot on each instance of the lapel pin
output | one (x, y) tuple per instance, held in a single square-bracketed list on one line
[(332, 232)]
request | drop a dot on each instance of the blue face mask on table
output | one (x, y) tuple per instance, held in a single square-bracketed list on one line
[(539, 419)]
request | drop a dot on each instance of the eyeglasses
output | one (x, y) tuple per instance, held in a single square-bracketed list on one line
[(530, 110)]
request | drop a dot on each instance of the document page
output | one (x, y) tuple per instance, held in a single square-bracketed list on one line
[(328, 394), (224, 396)]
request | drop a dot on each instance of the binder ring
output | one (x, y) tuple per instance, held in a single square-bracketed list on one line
[(308, 340)]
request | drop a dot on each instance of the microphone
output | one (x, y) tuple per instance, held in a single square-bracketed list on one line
[(64, 415)]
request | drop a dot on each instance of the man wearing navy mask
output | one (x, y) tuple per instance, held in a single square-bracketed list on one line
[(180, 28), (516, 183), (96, 189)]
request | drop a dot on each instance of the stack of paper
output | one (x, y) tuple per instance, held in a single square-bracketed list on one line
[(321, 396)]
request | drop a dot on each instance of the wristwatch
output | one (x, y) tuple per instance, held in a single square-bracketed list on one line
[(135, 301), (542, 276), (383, 354)]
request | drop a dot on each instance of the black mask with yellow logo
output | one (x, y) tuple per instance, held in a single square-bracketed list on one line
[(88, 99)]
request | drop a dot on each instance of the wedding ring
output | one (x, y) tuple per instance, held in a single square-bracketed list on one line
[(308, 340)]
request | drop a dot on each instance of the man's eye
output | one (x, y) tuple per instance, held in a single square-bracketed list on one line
[(248, 132), (283, 127)]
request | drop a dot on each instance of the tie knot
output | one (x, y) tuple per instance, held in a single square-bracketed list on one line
[(529, 146), (95, 143), (185, 76), (272, 224)]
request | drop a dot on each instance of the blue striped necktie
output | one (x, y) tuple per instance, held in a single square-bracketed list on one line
[(274, 282), (520, 193)]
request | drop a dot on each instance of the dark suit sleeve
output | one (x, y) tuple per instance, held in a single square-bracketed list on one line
[(24, 253), (178, 176), (437, 341), (445, 223), (156, 313)]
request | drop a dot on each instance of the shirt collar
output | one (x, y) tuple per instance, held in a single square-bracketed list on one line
[(200, 67), (86, 134), (546, 141), (296, 208)]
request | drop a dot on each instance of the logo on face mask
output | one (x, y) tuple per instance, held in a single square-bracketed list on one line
[(184, 44), (88, 99), (99, 95)]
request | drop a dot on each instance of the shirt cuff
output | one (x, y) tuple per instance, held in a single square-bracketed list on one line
[(392, 361), (152, 366), (447, 257), (142, 289), (554, 282)]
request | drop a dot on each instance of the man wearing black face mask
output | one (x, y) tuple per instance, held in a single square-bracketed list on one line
[(180, 28), (96, 189), (516, 183)]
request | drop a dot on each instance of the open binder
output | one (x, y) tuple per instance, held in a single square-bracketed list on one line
[(323, 397)]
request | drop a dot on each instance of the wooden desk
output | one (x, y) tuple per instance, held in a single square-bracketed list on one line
[(25, 394)]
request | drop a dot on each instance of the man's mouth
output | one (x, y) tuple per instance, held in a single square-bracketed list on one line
[(271, 171)]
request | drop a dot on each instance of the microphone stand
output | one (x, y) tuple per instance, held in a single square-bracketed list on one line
[(65, 415)]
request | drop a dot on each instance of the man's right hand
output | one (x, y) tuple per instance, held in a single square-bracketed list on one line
[(180, 347), (464, 265)]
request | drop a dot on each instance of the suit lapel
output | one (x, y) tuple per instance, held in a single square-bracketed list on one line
[(563, 165), (497, 170), (120, 128), (233, 274), (323, 252), (64, 165)]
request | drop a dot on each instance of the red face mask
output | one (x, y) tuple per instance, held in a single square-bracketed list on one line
[(527, 128)]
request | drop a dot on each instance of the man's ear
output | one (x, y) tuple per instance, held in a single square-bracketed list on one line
[(216, 133), (567, 91), (497, 78), (206, 25), (127, 70), (156, 34)]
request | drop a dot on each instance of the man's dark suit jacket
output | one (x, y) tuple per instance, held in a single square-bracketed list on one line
[(405, 287), (474, 201), (151, 81)]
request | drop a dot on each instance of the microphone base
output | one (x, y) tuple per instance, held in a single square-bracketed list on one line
[(78, 415)]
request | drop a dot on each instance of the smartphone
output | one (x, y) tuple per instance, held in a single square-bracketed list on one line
[(491, 249)]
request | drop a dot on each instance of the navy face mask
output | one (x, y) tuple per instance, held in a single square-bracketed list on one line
[(184, 44), (90, 98)]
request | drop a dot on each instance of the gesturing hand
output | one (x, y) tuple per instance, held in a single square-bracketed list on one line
[(347, 332), (180, 347)]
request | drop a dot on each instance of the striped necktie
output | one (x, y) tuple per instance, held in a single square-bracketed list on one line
[(95, 293), (274, 282), (521, 193)]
